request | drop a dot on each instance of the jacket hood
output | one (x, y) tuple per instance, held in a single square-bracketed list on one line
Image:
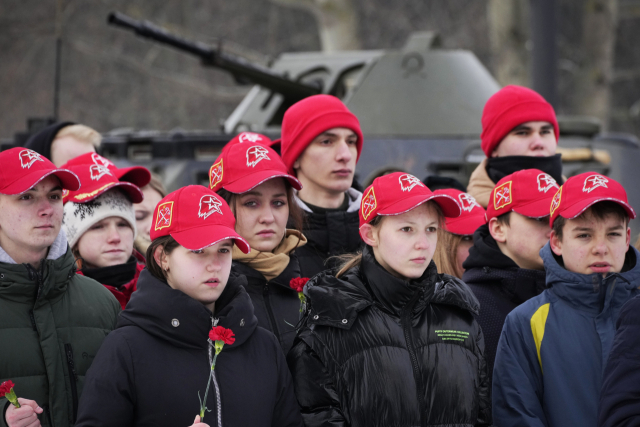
[(355, 197), (19, 282), (589, 292), (337, 301), (175, 317), (486, 253)]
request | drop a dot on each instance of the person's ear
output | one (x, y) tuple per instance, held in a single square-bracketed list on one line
[(296, 164), (555, 242), (498, 230), (160, 257), (369, 235), (628, 237)]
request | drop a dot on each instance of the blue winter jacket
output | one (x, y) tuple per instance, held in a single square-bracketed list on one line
[(620, 397), (553, 348)]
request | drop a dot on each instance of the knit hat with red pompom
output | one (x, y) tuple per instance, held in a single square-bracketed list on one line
[(307, 119), (510, 107)]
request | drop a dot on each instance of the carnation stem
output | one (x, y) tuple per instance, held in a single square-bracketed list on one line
[(206, 393)]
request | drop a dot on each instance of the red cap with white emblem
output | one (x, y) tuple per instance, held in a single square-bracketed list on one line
[(579, 192), (250, 138), (527, 192), (197, 218), (21, 169), (97, 179), (472, 215), (399, 192), (138, 175), (243, 167)]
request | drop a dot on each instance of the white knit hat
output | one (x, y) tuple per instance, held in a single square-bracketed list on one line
[(79, 217)]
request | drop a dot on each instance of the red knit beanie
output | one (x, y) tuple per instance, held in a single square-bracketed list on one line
[(307, 119), (510, 107)]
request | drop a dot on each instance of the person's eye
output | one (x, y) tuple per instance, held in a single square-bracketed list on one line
[(279, 203), (432, 229), (198, 252), (97, 227), (467, 238), (352, 141), (582, 236), (123, 224), (56, 196), (224, 250), (615, 234), (141, 215), (325, 141), (26, 197), (406, 229), (250, 204)]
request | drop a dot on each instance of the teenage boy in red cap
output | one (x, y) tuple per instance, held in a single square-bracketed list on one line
[(519, 131), (321, 143), (52, 321), (553, 348), (504, 268)]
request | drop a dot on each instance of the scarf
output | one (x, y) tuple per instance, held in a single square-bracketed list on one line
[(271, 264)]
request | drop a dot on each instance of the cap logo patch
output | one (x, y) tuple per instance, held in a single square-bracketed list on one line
[(165, 214), (502, 196), (99, 160), (65, 193), (209, 204), (546, 182), (215, 174), (369, 203), (98, 171), (407, 182), (594, 181), (256, 154), (555, 202), (249, 137), (467, 202), (28, 158)]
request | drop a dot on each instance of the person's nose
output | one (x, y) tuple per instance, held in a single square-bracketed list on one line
[(344, 153)]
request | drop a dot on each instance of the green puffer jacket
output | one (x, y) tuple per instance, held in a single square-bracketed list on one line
[(52, 322)]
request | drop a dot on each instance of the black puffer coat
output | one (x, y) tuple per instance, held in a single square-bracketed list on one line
[(328, 234), (374, 350), (150, 370), (275, 304), (500, 286)]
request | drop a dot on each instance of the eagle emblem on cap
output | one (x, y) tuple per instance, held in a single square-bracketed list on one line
[(28, 158), (164, 216), (209, 204), (98, 171), (467, 202), (502, 196), (215, 174), (407, 182), (249, 137), (99, 160), (369, 203), (594, 181), (555, 202), (256, 154), (546, 182)]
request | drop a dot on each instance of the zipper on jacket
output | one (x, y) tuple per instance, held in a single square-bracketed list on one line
[(272, 317), (33, 320), (73, 379), (406, 327), (46, 413)]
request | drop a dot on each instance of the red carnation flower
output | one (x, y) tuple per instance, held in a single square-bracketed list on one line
[(6, 387), (297, 284), (219, 333)]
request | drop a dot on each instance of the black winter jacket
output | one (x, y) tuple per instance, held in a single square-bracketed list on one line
[(500, 286), (620, 396), (328, 234), (275, 304), (374, 350), (150, 370)]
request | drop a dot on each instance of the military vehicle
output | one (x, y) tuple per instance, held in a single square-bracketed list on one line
[(419, 108)]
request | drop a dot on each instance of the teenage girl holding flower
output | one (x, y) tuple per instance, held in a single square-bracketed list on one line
[(387, 341), (152, 370)]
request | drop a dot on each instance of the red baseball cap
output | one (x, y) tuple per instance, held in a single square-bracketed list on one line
[(399, 192), (472, 215), (97, 179), (247, 138), (245, 166), (138, 175), (197, 218), (579, 192), (22, 168), (527, 192)]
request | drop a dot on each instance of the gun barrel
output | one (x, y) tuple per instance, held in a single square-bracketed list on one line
[(239, 67)]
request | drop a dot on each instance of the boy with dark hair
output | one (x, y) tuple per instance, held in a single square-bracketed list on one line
[(553, 348), (504, 268)]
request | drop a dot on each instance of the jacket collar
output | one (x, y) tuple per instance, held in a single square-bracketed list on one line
[(57, 249), (175, 317), (292, 270), (336, 302), (592, 293)]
